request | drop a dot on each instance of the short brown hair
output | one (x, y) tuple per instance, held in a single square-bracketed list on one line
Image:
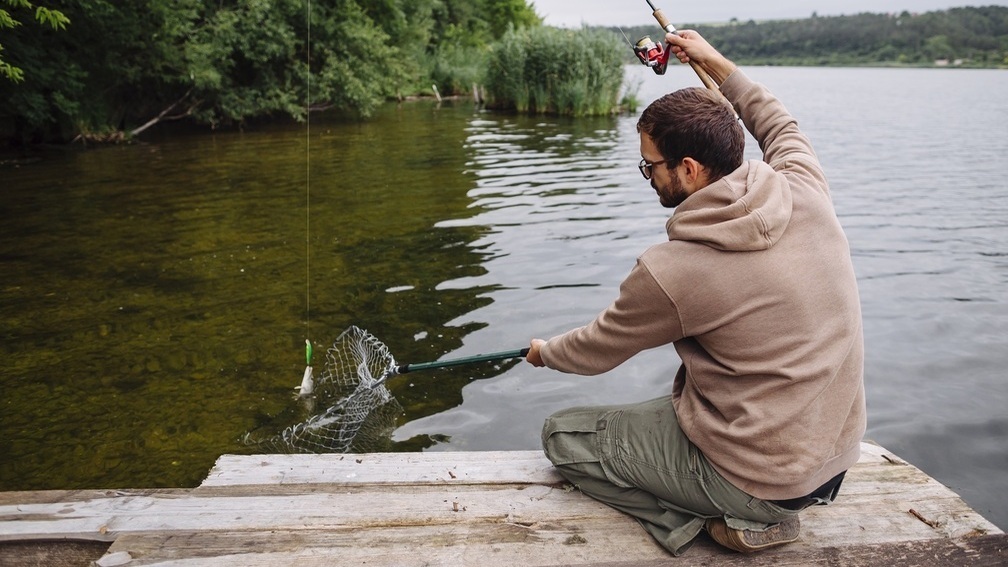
[(697, 123)]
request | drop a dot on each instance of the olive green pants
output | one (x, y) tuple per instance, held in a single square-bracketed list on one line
[(637, 459)]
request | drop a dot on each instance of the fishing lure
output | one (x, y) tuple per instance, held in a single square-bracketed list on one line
[(308, 380)]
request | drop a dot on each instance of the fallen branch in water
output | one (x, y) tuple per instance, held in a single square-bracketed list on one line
[(119, 136), (164, 114)]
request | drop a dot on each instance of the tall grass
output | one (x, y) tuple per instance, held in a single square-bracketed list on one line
[(546, 70), (455, 69)]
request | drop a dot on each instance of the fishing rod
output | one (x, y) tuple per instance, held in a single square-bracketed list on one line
[(656, 56)]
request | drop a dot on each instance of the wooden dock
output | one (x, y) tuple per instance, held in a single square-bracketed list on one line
[(472, 508)]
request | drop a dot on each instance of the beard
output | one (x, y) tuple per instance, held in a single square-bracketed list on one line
[(671, 195)]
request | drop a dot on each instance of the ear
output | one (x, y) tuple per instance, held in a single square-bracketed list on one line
[(694, 172)]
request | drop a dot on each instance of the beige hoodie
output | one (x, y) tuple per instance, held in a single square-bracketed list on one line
[(756, 289)]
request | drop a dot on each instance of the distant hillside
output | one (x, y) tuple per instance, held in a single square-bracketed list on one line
[(969, 37)]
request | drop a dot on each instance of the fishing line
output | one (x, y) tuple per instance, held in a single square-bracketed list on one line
[(308, 180), (307, 381)]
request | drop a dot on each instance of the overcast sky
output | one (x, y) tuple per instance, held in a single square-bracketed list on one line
[(574, 13)]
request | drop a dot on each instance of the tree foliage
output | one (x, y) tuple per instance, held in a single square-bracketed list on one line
[(43, 15), (127, 64), (108, 68)]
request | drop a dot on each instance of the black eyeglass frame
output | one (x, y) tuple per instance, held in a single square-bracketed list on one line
[(647, 167)]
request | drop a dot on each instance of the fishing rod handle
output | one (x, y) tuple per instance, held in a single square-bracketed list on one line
[(666, 25), (519, 353)]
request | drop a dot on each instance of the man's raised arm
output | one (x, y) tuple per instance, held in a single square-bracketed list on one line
[(784, 146)]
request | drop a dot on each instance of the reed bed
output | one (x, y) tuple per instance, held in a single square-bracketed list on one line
[(546, 70)]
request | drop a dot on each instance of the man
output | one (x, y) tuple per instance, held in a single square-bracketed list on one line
[(756, 290)]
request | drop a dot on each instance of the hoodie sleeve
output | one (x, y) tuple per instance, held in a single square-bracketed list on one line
[(785, 148), (642, 317)]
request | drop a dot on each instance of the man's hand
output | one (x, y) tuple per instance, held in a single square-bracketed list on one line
[(533, 356), (688, 45)]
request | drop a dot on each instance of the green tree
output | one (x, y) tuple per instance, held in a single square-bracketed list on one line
[(938, 47), (357, 64), (128, 64), (46, 16), (462, 33), (504, 14)]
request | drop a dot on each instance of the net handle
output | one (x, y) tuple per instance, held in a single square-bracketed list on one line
[(520, 353)]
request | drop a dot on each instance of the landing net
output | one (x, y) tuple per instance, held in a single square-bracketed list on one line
[(358, 411)]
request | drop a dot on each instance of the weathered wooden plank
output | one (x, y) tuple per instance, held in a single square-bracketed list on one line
[(499, 467), (589, 544), (571, 542), (503, 467), (18, 498), (107, 518), (449, 509), (865, 517)]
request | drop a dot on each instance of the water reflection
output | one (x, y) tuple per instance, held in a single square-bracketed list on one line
[(529, 173), (565, 213), (157, 296)]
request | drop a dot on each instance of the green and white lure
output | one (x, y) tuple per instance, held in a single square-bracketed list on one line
[(308, 380)]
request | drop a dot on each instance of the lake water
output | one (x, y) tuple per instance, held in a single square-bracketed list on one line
[(156, 297)]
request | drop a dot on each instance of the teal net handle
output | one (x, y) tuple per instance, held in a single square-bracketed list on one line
[(520, 353)]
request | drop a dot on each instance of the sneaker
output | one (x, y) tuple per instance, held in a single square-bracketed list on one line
[(748, 541)]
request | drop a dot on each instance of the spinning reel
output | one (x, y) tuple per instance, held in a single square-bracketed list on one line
[(652, 54), (655, 55)]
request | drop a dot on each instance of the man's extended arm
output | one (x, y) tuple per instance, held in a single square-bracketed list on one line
[(642, 317)]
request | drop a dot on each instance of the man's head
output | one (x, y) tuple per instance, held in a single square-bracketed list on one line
[(696, 135)]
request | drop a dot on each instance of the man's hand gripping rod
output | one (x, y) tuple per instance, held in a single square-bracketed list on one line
[(669, 28)]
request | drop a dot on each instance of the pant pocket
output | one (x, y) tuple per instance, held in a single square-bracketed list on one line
[(570, 437)]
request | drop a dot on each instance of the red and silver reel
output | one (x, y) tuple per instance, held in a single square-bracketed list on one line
[(652, 54)]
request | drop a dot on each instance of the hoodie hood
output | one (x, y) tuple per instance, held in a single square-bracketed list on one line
[(744, 211)]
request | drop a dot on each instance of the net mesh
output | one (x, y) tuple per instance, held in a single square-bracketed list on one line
[(359, 411)]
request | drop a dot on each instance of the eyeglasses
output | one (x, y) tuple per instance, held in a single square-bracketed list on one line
[(646, 166)]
